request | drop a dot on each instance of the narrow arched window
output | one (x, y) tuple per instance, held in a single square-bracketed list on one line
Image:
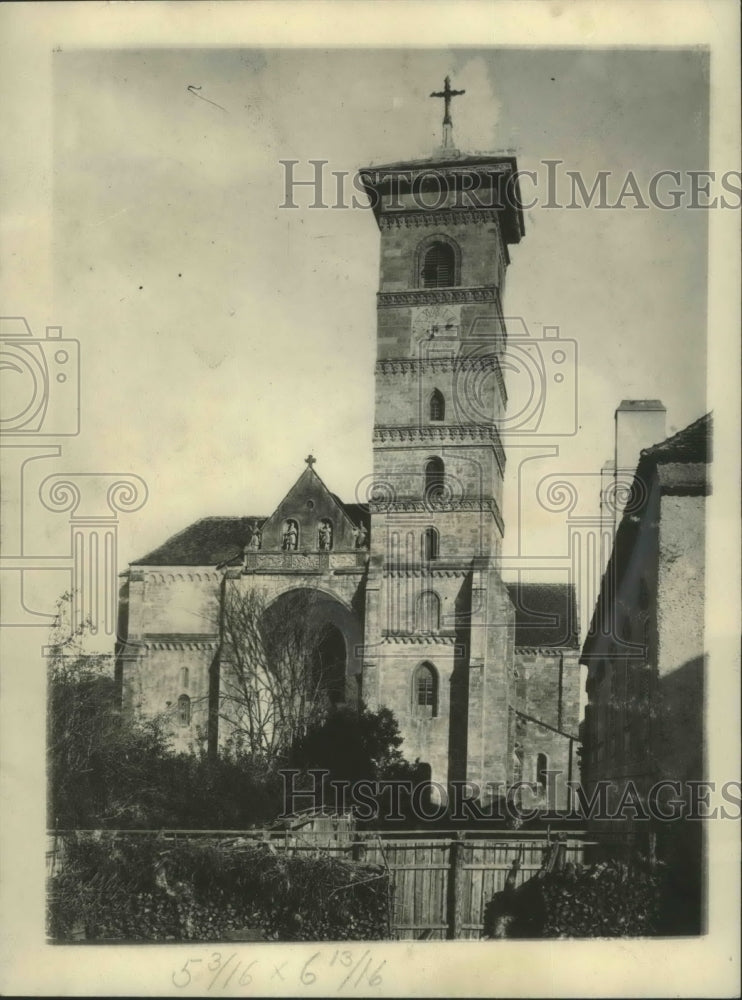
[(425, 694), (434, 475), (439, 266), (184, 677), (542, 765), (428, 612), (184, 710), (430, 544), (437, 406)]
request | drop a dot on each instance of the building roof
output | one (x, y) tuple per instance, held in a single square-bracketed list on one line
[(212, 541), (683, 456), (692, 444), (545, 614), (423, 175), (207, 542)]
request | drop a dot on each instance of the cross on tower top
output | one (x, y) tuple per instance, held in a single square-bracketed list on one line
[(310, 460), (447, 94)]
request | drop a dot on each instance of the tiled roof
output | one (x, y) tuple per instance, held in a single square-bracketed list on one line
[(215, 540), (207, 542), (692, 444), (545, 614)]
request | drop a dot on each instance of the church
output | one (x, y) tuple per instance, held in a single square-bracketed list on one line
[(481, 674)]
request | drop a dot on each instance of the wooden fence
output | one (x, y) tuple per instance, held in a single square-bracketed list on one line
[(442, 884)]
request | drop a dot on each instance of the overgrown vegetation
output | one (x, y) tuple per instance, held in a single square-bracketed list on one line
[(146, 888), (110, 770), (609, 899), (276, 677)]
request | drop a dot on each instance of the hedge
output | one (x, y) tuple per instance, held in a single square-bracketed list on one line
[(610, 899), (148, 888)]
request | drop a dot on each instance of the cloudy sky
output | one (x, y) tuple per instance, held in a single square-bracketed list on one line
[(223, 337)]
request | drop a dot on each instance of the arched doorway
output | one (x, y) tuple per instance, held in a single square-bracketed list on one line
[(322, 638), (330, 665)]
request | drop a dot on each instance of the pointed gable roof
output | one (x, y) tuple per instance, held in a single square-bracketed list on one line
[(219, 541), (308, 503)]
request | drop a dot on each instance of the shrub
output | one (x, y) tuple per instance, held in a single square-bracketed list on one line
[(610, 899), (146, 888)]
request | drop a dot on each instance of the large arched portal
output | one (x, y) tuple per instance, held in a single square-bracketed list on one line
[(324, 637), (286, 660)]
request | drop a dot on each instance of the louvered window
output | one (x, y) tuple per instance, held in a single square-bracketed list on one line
[(428, 612), (437, 406), (439, 266)]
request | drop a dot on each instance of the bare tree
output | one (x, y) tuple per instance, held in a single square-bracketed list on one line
[(275, 679)]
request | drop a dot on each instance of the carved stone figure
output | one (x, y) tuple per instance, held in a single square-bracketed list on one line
[(325, 536), (255, 539), (360, 536), (290, 536)]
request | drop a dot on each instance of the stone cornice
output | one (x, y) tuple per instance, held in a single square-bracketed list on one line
[(442, 434), (172, 574), (546, 650), (410, 505), (419, 639), (449, 363), (182, 641), (467, 363), (423, 572), (438, 217), (437, 296)]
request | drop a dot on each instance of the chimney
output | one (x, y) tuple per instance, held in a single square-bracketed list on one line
[(639, 424)]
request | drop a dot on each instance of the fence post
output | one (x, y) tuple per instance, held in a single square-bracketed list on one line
[(456, 888)]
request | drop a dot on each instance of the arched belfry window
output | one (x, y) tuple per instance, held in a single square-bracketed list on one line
[(431, 540), (184, 710), (434, 475), (437, 406), (425, 691), (438, 265), (427, 612)]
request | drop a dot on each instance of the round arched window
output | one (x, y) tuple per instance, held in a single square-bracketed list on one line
[(426, 690)]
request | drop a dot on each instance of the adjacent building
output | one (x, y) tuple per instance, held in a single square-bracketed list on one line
[(644, 651)]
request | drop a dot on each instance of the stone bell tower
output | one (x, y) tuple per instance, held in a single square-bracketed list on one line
[(438, 642)]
